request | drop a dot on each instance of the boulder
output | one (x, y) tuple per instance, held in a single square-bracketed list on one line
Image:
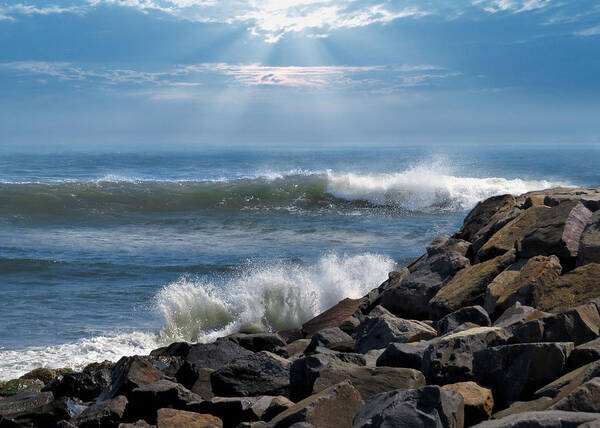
[(130, 373), (537, 405), (329, 338), (335, 406), (105, 414), (146, 399), (515, 372), (585, 398), (468, 286), (409, 355), (517, 315), (589, 245), (409, 298), (369, 380), (372, 299), (202, 385), (85, 386), (567, 383), (472, 314), (450, 359), (481, 216), (297, 347), (259, 341), (558, 231), (507, 289), (170, 418), (588, 197), (262, 373), (479, 401), (44, 374), (584, 354), (332, 317), (571, 289), (33, 410), (545, 419), (578, 325), (497, 222), (505, 239), (21, 386), (379, 332), (429, 406), (138, 424)]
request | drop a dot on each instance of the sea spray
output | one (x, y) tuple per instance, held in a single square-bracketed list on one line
[(265, 297)]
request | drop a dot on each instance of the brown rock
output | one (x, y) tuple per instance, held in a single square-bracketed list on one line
[(572, 289), (169, 418), (542, 403), (469, 285), (332, 317), (105, 414), (130, 373), (483, 213), (479, 401), (335, 406)]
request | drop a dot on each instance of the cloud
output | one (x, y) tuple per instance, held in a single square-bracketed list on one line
[(588, 32), (515, 6)]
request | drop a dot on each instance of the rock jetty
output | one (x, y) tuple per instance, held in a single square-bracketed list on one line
[(496, 326)]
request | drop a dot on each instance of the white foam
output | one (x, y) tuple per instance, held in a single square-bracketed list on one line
[(271, 297), (426, 186)]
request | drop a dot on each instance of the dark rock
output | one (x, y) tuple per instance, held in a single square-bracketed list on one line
[(557, 232), (105, 414), (497, 222), (571, 289), (329, 337), (130, 373), (589, 245), (468, 286), (33, 410), (170, 418), (44, 374), (369, 380), (517, 315), (379, 332), (332, 317), (567, 383), (138, 424), (403, 355), (515, 372), (85, 386), (94, 367), (262, 373), (20, 386), (423, 407), (297, 347), (483, 213), (451, 358), (235, 410), (584, 354), (473, 314), (479, 401), (585, 398), (545, 419), (291, 335), (258, 341), (372, 299), (578, 325), (536, 405), (146, 399), (332, 407)]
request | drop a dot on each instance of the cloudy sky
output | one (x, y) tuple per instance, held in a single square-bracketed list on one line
[(299, 71)]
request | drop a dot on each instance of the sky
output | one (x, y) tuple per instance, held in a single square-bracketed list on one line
[(299, 71)]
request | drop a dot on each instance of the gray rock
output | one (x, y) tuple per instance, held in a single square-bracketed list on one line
[(584, 354), (329, 338), (262, 373), (332, 317), (483, 214), (585, 398), (514, 372), (33, 410), (517, 315), (105, 414), (589, 245), (570, 381), (430, 406), (545, 419), (20, 386), (403, 355), (130, 373), (145, 400), (235, 410), (472, 314), (85, 386), (258, 341)]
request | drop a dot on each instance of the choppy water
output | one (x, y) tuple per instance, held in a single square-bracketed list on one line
[(107, 254)]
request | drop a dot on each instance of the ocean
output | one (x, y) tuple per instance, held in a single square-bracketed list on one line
[(113, 252)]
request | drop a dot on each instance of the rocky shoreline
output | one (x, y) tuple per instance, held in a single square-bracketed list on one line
[(496, 326)]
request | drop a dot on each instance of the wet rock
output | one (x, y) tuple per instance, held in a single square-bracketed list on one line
[(372, 299), (578, 325), (515, 372), (21, 386), (170, 418), (105, 414), (94, 367), (505, 239), (369, 380), (517, 315), (427, 406), (335, 406), (479, 401), (403, 355), (146, 399), (85, 386), (329, 338), (451, 358), (589, 245), (130, 373), (44, 374), (378, 332), (259, 341), (557, 232), (538, 271), (33, 410), (262, 373), (584, 354), (571, 289), (332, 317), (468, 286), (545, 419), (472, 314), (410, 298), (483, 213)]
